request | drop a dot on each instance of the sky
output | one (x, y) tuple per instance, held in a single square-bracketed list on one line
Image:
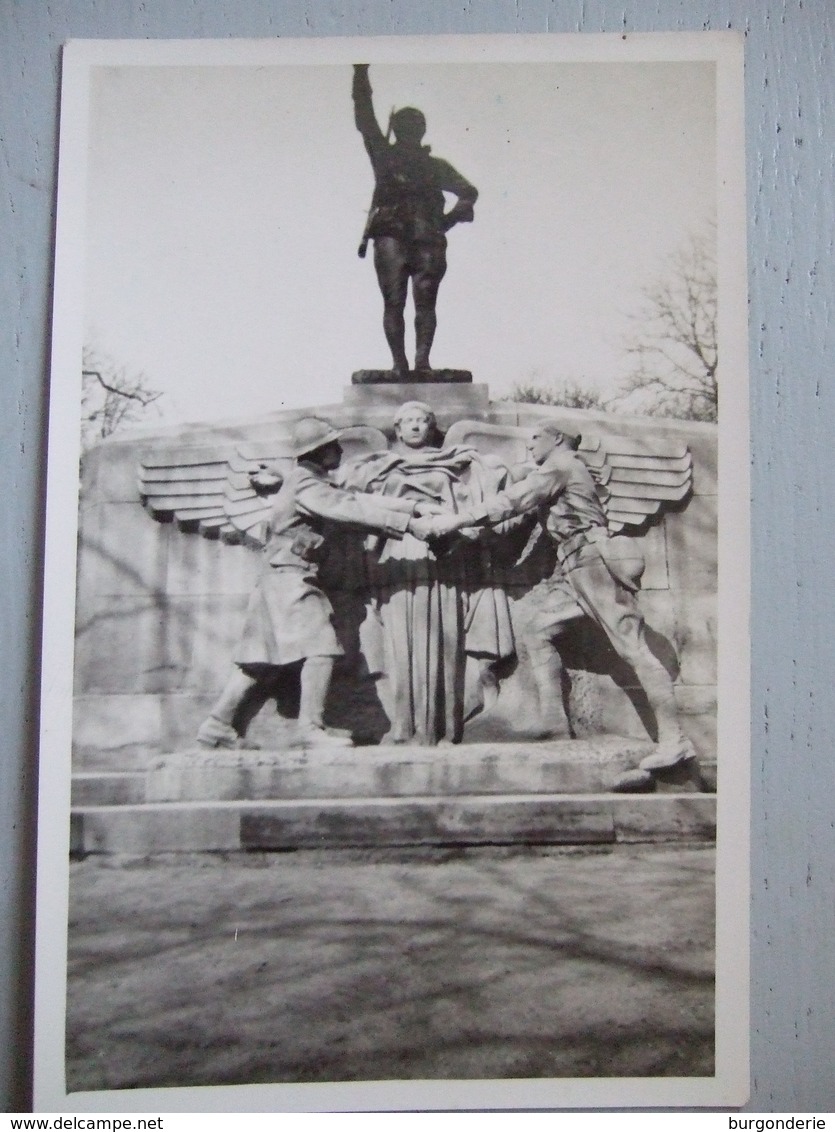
[(225, 205)]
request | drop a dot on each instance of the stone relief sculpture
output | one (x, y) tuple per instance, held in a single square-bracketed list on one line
[(597, 576), (442, 522), (289, 617), (436, 603), (407, 221)]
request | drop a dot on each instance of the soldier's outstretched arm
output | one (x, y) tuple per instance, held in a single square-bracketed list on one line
[(353, 509), (541, 486)]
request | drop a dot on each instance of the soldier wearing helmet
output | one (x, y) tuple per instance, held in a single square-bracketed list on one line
[(598, 577), (289, 618)]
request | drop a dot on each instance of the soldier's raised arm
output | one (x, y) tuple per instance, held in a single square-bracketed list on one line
[(364, 116)]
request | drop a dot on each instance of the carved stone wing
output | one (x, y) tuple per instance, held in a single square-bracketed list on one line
[(205, 489), (209, 488), (636, 479)]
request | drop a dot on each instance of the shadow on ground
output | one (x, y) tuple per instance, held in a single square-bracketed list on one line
[(344, 966)]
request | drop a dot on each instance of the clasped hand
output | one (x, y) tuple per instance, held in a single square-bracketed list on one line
[(426, 507), (438, 524)]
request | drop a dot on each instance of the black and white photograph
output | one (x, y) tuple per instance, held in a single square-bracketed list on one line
[(395, 706)]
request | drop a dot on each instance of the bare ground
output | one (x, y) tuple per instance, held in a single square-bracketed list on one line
[(344, 966)]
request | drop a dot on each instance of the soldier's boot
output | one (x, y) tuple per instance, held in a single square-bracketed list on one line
[(217, 729), (547, 671), (489, 684), (673, 746), (214, 733), (315, 681)]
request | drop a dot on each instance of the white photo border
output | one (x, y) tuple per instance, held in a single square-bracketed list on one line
[(730, 1086)]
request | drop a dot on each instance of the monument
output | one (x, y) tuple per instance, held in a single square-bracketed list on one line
[(438, 594), (167, 567), (431, 537)]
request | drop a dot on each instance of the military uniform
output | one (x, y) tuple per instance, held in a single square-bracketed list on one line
[(598, 577), (289, 617), (408, 202)]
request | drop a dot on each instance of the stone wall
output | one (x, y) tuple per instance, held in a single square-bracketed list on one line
[(159, 609)]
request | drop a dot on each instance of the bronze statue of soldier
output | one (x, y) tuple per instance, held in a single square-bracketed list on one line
[(407, 220)]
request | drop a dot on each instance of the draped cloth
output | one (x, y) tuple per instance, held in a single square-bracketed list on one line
[(435, 603)]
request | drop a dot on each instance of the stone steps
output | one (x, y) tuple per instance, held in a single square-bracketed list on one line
[(108, 788), (536, 819), (537, 792)]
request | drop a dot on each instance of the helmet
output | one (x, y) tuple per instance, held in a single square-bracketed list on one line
[(311, 433)]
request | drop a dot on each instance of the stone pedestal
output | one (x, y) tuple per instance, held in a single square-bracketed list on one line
[(416, 377), (582, 766), (533, 819), (545, 793), (449, 402)]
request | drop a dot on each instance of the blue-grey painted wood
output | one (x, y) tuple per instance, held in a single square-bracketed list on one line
[(790, 147)]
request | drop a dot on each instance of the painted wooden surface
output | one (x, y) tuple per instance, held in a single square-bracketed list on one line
[(790, 74)]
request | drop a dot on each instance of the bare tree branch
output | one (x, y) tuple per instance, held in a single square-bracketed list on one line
[(144, 397), (111, 397), (675, 347)]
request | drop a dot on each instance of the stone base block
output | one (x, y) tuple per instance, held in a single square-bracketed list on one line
[(449, 400), (108, 788), (578, 766), (531, 820), (416, 377), (145, 830), (666, 817)]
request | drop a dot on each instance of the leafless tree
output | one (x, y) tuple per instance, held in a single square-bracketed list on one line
[(111, 397), (674, 347)]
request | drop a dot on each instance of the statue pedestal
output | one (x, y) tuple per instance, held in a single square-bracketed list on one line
[(564, 766), (416, 377), (449, 402)]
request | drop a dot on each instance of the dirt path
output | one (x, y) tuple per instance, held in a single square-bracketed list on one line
[(317, 966)]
